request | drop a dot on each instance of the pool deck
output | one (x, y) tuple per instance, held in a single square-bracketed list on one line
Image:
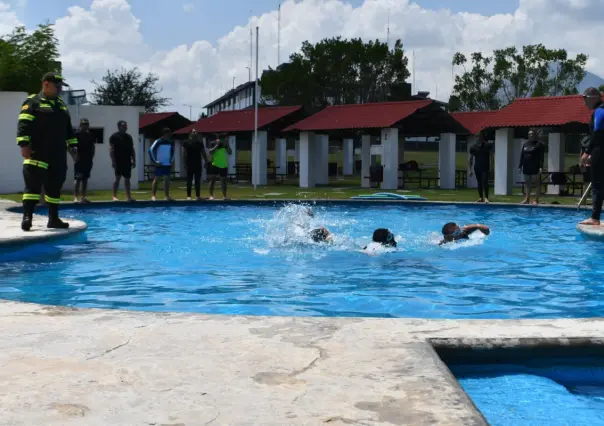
[(11, 233), (65, 366)]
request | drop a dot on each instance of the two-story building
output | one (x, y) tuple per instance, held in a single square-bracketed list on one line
[(241, 97)]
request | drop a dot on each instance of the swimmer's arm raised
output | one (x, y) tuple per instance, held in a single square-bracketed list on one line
[(468, 229)]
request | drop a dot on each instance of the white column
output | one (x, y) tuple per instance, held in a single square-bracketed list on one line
[(281, 156), (304, 148), (555, 158), (140, 158), (504, 173), (472, 183), (366, 160), (348, 158), (517, 150), (446, 160), (390, 150), (233, 157), (259, 156), (321, 171)]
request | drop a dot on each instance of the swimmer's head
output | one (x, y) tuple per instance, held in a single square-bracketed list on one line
[(451, 231), (320, 235), (384, 237), (309, 212)]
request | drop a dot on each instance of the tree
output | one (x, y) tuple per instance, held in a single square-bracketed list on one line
[(336, 71), (494, 81), (26, 57), (129, 87), (601, 88)]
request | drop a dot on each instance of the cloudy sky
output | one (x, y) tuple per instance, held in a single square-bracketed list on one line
[(198, 46)]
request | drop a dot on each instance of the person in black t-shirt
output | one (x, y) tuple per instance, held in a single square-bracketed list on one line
[(480, 163), (531, 165), (123, 158), (83, 165), (194, 152)]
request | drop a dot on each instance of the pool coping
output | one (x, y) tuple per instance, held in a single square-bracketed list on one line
[(292, 370), (12, 235), (429, 392)]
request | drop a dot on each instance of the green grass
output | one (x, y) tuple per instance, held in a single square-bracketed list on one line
[(337, 190)]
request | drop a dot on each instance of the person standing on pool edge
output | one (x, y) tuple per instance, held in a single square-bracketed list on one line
[(123, 158), (162, 155), (480, 163), (220, 164), (195, 151), (44, 134), (594, 155), (83, 166)]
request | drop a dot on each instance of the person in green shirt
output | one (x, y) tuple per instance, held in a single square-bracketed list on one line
[(220, 164)]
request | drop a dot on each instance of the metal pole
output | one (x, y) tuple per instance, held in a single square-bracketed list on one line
[(256, 103), (584, 195), (233, 83), (279, 37)]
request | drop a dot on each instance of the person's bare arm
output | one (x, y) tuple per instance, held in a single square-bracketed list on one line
[(112, 152), (468, 229), (214, 147), (471, 164)]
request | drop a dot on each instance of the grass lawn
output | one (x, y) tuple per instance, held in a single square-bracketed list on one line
[(338, 189)]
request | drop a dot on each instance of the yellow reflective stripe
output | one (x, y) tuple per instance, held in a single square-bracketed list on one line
[(36, 163), (24, 107), (23, 139), (63, 108), (72, 141), (26, 117), (35, 197), (52, 200)]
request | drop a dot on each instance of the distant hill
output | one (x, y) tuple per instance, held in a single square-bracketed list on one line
[(590, 80)]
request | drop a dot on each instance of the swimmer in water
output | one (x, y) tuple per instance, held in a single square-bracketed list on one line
[(452, 232), (321, 235), (384, 237)]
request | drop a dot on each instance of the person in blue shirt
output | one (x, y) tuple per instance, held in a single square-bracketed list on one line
[(594, 153), (162, 155)]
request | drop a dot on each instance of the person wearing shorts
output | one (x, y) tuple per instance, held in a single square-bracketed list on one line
[(220, 165), (83, 165), (531, 165), (162, 155), (123, 158)]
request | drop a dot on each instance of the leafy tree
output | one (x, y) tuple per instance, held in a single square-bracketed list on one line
[(129, 87), (494, 81), (601, 88), (26, 57), (336, 71)]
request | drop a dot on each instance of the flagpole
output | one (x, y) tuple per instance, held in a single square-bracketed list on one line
[(255, 147)]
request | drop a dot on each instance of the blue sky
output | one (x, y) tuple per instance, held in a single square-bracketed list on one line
[(165, 24)]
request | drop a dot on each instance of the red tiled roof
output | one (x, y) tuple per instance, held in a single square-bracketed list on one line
[(474, 121), (359, 116), (153, 117), (541, 111), (240, 120)]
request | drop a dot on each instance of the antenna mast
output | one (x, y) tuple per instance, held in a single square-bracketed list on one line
[(388, 31), (279, 36)]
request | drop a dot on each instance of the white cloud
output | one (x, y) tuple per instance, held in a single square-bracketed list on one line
[(188, 7), (8, 19), (107, 35)]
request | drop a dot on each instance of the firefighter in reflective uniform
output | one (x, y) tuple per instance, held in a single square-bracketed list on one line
[(45, 135)]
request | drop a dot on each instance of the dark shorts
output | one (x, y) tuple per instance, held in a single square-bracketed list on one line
[(81, 171), (124, 170), (219, 171), (162, 171)]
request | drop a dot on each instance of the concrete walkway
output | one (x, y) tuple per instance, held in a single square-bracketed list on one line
[(97, 367), (11, 233), (64, 366)]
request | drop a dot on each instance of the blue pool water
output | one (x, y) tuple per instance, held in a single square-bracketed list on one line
[(551, 392), (256, 260)]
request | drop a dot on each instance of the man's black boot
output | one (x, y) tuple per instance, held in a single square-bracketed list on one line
[(53, 217), (28, 214)]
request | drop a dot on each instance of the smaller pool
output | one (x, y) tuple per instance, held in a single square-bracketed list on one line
[(534, 386)]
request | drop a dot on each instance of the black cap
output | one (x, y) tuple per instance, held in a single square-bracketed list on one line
[(54, 77)]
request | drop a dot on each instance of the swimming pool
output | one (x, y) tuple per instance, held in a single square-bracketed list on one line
[(256, 260), (544, 387)]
